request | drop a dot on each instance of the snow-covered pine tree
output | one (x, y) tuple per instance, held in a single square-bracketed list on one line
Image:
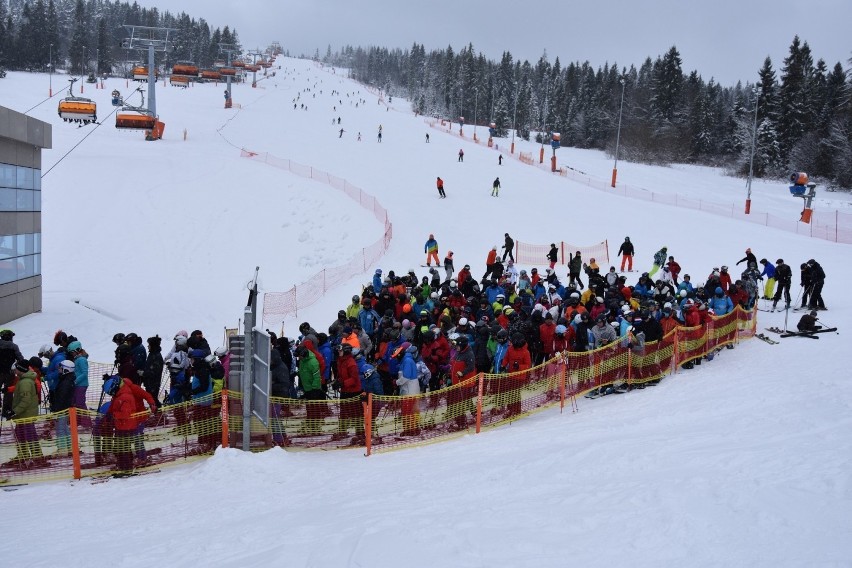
[(79, 38), (795, 97)]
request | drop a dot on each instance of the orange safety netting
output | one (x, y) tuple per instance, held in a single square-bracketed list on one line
[(82, 443), (834, 226), (278, 305)]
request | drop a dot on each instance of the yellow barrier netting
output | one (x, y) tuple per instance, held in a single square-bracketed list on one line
[(85, 443)]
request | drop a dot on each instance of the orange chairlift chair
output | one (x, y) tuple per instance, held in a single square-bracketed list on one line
[(77, 109)]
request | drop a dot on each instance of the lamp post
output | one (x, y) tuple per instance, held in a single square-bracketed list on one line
[(50, 70), (751, 157), (514, 117), (475, 107), (543, 122), (618, 133), (82, 70)]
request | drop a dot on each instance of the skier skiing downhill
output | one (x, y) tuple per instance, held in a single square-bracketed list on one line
[(440, 184), (495, 188)]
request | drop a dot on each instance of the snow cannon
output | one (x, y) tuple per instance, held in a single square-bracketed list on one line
[(554, 143), (800, 183), (802, 187), (492, 131)]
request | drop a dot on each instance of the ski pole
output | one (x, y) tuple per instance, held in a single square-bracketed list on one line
[(828, 325), (799, 295)]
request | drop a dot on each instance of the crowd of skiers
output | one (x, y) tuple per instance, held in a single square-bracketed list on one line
[(406, 334), (195, 374), (403, 334)]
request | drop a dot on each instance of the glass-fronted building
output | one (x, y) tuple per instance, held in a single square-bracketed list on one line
[(22, 139)]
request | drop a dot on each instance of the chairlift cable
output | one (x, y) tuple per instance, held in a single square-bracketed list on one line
[(74, 147)]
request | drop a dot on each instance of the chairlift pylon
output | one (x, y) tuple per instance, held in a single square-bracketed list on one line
[(135, 118)]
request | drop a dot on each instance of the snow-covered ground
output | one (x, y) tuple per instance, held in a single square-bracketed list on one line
[(744, 461)]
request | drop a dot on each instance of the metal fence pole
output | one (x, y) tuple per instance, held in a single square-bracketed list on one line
[(246, 379)]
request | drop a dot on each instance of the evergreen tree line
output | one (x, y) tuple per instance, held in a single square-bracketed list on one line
[(804, 118), (86, 36)]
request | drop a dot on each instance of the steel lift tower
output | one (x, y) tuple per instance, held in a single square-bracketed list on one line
[(150, 39)]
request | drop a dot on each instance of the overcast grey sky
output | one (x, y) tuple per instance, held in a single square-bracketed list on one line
[(725, 39)]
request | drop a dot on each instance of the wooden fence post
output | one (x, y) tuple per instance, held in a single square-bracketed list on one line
[(225, 423), (368, 423)]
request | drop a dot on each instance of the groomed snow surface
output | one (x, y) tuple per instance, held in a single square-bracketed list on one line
[(744, 461)]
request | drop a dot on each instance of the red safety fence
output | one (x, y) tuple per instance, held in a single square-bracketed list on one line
[(76, 444), (84, 443), (490, 400), (278, 305), (536, 255), (834, 226)]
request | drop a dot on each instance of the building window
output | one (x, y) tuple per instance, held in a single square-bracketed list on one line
[(20, 257), (20, 188)]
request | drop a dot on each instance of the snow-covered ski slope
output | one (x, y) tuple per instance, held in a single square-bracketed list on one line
[(743, 461)]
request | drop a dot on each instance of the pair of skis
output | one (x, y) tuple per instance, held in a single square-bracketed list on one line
[(809, 334), (766, 339), (783, 333)]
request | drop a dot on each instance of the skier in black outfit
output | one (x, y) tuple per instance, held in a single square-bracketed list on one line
[(626, 251), (818, 278), (9, 355), (553, 255), (508, 247), (153, 372), (806, 282), (808, 322), (783, 277), (749, 258)]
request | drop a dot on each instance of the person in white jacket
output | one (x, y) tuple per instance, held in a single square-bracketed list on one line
[(511, 273)]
